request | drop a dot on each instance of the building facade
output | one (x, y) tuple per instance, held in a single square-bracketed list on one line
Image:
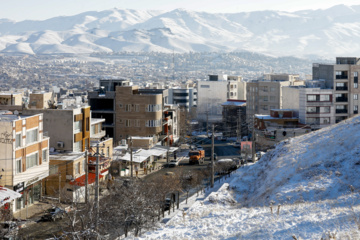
[(343, 78), (25, 157)]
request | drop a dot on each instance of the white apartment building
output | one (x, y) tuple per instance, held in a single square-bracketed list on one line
[(212, 93), (24, 157), (316, 107)]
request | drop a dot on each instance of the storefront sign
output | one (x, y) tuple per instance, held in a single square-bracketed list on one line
[(32, 181), (19, 187)]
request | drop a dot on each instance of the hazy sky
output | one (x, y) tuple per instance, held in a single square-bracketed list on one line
[(43, 9)]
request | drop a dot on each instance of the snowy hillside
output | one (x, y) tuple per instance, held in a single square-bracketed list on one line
[(314, 179), (325, 33)]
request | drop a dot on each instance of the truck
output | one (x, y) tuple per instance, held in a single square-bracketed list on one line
[(196, 156)]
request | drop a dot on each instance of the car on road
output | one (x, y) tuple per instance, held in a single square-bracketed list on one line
[(53, 214), (173, 163)]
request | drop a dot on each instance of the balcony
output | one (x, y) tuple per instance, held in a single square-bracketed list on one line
[(341, 111), (341, 99), (341, 88), (341, 77)]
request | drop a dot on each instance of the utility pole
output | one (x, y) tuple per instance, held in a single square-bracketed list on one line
[(86, 176), (212, 158), (253, 140), (239, 130), (59, 185), (207, 123), (168, 143), (97, 187), (131, 157)]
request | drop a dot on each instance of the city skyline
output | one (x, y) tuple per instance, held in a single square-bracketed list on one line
[(19, 10)]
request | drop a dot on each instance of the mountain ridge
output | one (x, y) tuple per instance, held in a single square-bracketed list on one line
[(325, 33)]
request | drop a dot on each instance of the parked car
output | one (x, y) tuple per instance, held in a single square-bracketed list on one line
[(53, 214), (173, 163), (223, 139)]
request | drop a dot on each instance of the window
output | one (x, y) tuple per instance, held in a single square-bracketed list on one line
[(44, 155), (311, 98), (127, 123), (264, 88), (153, 108), (355, 97), (356, 108), (272, 89), (32, 160), (137, 123), (54, 169), (87, 124), (18, 165), (77, 126), (18, 140), (355, 85), (324, 98), (78, 146), (128, 108), (272, 98), (265, 98), (153, 123), (136, 107), (84, 165), (31, 136), (92, 130), (324, 109), (204, 86), (77, 168), (356, 77), (311, 109)]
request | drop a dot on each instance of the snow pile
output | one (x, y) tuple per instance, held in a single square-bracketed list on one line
[(306, 188)]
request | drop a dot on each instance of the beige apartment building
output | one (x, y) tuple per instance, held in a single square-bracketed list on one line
[(343, 78), (266, 93), (24, 157), (41, 100), (138, 114)]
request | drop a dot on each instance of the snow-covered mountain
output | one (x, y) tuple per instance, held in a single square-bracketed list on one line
[(305, 188), (326, 33)]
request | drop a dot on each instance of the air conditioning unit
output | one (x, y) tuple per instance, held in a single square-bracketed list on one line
[(60, 144)]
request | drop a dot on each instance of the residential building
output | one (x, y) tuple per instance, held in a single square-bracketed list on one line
[(234, 118), (171, 123), (316, 107), (102, 102), (212, 93), (67, 171), (139, 112), (343, 78), (42, 100), (24, 158), (266, 93), (184, 97), (69, 129), (281, 124)]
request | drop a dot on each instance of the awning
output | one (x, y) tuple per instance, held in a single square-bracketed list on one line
[(80, 181), (136, 158), (7, 195)]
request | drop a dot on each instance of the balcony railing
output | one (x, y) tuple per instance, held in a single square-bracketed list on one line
[(341, 111), (341, 99), (341, 77), (341, 88)]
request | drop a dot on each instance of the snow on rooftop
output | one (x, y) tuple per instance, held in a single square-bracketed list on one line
[(313, 178)]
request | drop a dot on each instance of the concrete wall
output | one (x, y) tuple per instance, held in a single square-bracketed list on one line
[(59, 125), (291, 97)]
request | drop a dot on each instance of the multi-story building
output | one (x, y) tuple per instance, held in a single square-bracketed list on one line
[(139, 112), (102, 102), (41, 100), (266, 93), (24, 157), (342, 77), (184, 97), (234, 118), (69, 129), (212, 93), (316, 107)]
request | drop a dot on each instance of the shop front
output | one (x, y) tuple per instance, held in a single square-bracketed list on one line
[(30, 194)]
